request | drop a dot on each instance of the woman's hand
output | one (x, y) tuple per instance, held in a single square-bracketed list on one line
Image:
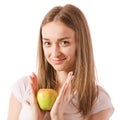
[(37, 113), (62, 100)]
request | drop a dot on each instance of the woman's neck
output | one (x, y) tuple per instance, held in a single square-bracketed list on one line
[(61, 77)]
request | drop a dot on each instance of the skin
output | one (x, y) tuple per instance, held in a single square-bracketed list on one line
[(13, 113), (59, 49), (59, 46)]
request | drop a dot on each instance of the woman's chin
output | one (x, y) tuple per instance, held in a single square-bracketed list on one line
[(59, 68)]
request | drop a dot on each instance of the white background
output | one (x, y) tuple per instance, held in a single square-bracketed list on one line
[(19, 28)]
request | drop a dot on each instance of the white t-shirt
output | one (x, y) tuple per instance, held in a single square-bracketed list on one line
[(21, 90)]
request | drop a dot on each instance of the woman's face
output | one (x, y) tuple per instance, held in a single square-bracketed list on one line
[(59, 46)]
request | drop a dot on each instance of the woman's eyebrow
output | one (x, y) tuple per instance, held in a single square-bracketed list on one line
[(45, 39), (63, 38), (59, 39)]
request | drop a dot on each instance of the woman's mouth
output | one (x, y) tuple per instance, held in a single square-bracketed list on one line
[(58, 61)]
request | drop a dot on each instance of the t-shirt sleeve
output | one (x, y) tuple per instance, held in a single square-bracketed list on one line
[(103, 102), (20, 89)]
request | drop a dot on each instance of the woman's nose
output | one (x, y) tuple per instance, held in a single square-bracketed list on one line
[(56, 50)]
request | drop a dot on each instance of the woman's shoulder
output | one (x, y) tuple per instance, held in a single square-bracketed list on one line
[(21, 83), (103, 101), (21, 89)]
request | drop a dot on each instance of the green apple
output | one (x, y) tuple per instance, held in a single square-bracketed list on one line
[(46, 98)]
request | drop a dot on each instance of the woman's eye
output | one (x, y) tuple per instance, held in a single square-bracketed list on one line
[(47, 44), (64, 43)]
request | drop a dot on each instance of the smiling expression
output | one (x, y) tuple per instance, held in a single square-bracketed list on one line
[(59, 46)]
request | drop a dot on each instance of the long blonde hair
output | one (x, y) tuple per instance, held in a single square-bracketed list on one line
[(84, 74)]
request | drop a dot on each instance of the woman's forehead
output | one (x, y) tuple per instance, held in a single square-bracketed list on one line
[(57, 29)]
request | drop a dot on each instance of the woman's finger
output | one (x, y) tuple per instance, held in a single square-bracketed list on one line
[(31, 100), (67, 83), (69, 77), (32, 95), (34, 81), (33, 87), (65, 91), (63, 97)]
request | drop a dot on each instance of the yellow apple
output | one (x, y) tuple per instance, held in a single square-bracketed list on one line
[(46, 98)]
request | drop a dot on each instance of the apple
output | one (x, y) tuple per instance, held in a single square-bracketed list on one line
[(46, 98)]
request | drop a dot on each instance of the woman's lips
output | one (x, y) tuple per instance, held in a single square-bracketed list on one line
[(58, 61)]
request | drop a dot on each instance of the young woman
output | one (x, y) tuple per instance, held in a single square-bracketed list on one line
[(66, 64)]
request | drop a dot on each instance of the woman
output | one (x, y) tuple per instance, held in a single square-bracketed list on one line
[(66, 64)]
